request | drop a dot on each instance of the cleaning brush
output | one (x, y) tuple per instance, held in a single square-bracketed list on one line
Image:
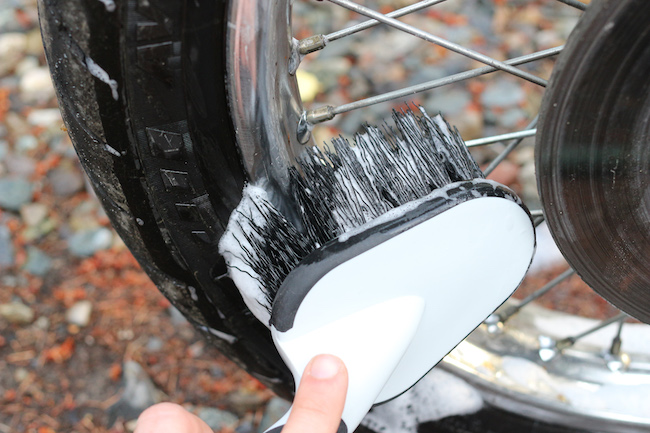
[(397, 250)]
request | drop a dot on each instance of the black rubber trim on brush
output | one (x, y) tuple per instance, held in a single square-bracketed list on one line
[(317, 264)]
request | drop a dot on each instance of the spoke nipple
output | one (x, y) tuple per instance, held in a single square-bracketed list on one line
[(494, 324), (320, 114), (303, 132), (548, 348), (617, 363), (311, 44)]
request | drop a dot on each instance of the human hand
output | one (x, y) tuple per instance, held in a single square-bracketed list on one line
[(317, 407)]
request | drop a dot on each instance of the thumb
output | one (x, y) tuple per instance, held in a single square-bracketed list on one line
[(320, 398)]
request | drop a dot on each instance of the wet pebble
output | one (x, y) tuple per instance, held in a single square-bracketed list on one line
[(7, 255), (79, 313), (503, 94), (154, 344), (20, 165), (14, 192), (33, 213), (17, 313), (139, 393), (4, 149), (12, 49), (177, 317), (448, 102), (512, 118), (217, 419), (242, 401), (25, 65), (36, 85), (25, 143), (38, 263), (87, 242), (34, 44), (275, 409), (45, 117), (66, 180)]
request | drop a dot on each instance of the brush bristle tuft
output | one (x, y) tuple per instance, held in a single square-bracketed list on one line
[(342, 187)]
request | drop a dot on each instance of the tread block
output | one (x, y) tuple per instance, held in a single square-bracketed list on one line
[(175, 180), (166, 143), (148, 30), (202, 236), (188, 212), (153, 59)]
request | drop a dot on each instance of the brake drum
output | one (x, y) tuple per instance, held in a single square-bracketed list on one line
[(593, 153)]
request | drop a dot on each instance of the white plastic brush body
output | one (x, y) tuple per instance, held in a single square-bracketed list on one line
[(394, 297), (400, 250)]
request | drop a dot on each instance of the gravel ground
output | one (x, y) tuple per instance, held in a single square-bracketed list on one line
[(86, 340)]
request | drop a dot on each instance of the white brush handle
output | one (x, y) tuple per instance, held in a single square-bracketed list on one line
[(370, 342)]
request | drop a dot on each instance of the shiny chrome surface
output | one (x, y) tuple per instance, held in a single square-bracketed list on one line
[(264, 97), (580, 388)]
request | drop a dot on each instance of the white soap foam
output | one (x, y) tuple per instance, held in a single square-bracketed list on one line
[(99, 72), (231, 244), (438, 395)]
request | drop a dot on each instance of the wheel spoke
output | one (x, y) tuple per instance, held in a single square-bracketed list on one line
[(371, 23), (550, 348), (509, 148), (512, 310), (323, 114), (439, 41), (503, 137), (615, 348), (570, 341), (574, 3)]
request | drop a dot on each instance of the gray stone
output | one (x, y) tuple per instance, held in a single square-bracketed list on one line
[(36, 85), (139, 393), (12, 50), (66, 181), (34, 43), (448, 102), (154, 344), (217, 419), (17, 313), (34, 213), (242, 401), (79, 314), (25, 143), (38, 263), (275, 409), (6, 248), (246, 425), (20, 165), (26, 64), (177, 317), (512, 118), (45, 117), (4, 149), (503, 93), (87, 242), (14, 193)]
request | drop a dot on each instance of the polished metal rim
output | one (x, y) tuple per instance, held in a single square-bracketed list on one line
[(544, 364)]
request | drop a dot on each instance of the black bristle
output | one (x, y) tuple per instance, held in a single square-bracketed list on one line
[(343, 187)]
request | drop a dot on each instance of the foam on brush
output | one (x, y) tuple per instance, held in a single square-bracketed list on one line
[(338, 189)]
